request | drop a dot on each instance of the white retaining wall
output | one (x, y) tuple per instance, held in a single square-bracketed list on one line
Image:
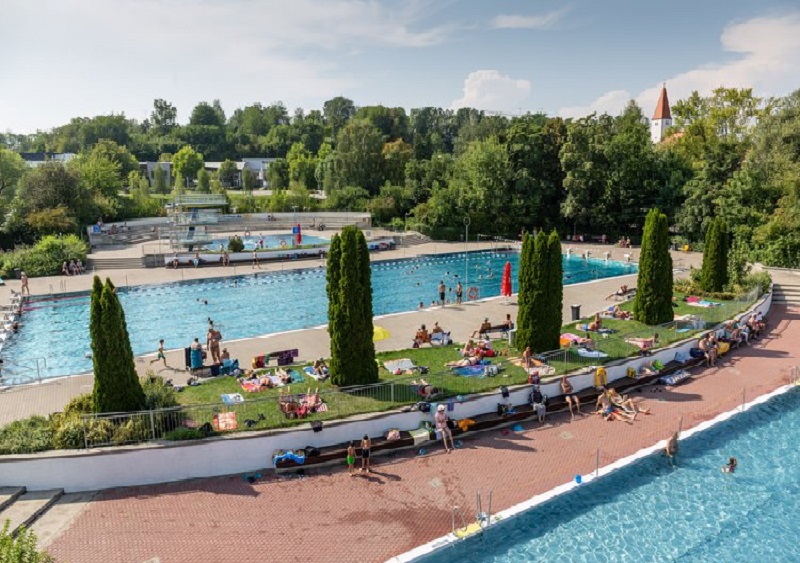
[(238, 453)]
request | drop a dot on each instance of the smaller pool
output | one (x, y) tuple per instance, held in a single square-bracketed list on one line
[(252, 242)]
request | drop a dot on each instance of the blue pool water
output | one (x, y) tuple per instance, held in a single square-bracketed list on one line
[(651, 512), (257, 304), (270, 241)]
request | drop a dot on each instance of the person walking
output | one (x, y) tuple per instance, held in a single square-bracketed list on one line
[(255, 260), (23, 278), (160, 355)]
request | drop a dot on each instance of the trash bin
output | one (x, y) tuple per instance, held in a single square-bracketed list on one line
[(17, 273), (512, 336), (576, 312)]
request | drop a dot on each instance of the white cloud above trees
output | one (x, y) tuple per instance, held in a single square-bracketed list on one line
[(493, 91)]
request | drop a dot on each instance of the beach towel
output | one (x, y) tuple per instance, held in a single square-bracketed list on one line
[(403, 365), (225, 420), (583, 352), (251, 387), (703, 303), (232, 398), (675, 378), (308, 370), (296, 376), (470, 371)]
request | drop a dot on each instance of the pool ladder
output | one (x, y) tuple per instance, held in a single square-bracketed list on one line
[(482, 519)]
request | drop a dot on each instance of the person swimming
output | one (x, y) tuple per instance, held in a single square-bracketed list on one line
[(731, 467)]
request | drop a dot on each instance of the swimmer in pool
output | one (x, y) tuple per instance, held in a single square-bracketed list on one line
[(731, 467)]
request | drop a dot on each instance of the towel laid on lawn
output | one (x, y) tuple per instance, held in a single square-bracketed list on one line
[(309, 371), (403, 365), (232, 398), (591, 353)]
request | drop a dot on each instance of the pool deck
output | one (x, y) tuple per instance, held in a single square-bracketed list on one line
[(52, 395), (407, 501)]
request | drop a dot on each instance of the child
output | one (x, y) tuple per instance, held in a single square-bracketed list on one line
[(160, 355), (351, 459), (366, 444), (731, 467)]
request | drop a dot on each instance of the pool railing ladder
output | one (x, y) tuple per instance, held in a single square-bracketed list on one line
[(483, 518)]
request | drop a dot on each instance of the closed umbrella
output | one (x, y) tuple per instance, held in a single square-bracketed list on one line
[(299, 235), (505, 286)]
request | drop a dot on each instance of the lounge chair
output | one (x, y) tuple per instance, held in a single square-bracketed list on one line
[(440, 339)]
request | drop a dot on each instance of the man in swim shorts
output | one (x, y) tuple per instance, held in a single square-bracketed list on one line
[(160, 355), (351, 459), (459, 293), (570, 397), (442, 290), (366, 446)]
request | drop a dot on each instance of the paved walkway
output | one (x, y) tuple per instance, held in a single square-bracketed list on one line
[(407, 501), (51, 396)]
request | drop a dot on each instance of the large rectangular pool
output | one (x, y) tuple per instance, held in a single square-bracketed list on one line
[(57, 327)]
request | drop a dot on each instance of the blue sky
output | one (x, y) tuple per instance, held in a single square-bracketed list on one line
[(67, 58)]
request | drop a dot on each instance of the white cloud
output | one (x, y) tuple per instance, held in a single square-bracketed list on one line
[(490, 90), (769, 63), (516, 21)]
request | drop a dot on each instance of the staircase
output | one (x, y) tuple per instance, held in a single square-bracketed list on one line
[(94, 264), (786, 294), (21, 507), (410, 240)]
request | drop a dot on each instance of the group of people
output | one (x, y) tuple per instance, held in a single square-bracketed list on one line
[(613, 406), (72, 268), (366, 450), (624, 242), (423, 336), (473, 353), (487, 327)]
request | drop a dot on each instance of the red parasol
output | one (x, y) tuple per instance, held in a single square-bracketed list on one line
[(299, 236), (505, 286)]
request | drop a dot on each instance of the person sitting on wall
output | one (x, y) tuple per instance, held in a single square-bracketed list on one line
[(421, 337), (485, 327)]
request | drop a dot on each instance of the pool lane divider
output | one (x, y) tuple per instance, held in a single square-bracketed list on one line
[(523, 507)]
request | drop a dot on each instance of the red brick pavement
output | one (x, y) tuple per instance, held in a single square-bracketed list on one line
[(329, 516)]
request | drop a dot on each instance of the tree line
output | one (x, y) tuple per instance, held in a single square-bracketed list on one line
[(730, 155)]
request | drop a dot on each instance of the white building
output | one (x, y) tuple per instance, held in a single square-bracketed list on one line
[(662, 119), (36, 159)]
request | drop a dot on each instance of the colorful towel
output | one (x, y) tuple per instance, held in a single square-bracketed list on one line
[(583, 352), (420, 435), (309, 371), (232, 398), (470, 371), (251, 387)]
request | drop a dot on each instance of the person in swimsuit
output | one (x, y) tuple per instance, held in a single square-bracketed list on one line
[(571, 398), (351, 459), (366, 445), (731, 467), (672, 448), (23, 278), (442, 290), (459, 293), (213, 338), (441, 419), (527, 360), (160, 355)]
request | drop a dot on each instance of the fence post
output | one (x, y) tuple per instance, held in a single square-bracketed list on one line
[(152, 425), (85, 437), (392, 393)]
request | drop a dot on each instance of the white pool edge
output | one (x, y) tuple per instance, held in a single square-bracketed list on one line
[(450, 539)]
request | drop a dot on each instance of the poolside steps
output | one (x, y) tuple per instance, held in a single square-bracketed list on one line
[(8, 495), (27, 507), (410, 240), (786, 294), (95, 264), (58, 517)]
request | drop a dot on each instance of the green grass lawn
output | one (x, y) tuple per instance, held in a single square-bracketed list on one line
[(204, 400)]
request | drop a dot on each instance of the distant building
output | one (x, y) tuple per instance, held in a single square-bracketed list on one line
[(258, 165), (148, 170), (36, 159), (662, 118)]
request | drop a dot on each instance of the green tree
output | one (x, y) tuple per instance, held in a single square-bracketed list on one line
[(278, 174), (164, 116), (116, 385), (228, 173), (714, 272), (203, 182), (302, 166), (160, 185), (20, 547), (396, 155), (350, 310), (551, 324), (98, 174), (12, 168), (337, 112), (187, 162), (205, 114), (117, 154), (653, 302), (534, 308), (248, 180), (359, 148), (179, 186)]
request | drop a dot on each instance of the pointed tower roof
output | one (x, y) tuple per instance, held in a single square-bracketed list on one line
[(662, 109)]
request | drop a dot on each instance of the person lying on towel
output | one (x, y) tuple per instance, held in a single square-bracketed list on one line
[(468, 361)]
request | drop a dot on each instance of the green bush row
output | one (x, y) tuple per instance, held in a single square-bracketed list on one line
[(46, 256)]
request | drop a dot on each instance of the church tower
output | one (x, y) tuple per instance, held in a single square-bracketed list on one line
[(661, 118)]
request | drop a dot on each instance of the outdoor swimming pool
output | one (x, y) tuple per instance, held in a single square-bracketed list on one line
[(649, 511), (270, 241), (257, 304)]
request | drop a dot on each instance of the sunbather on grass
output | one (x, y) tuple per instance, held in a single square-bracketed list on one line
[(644, 343), (463, 362), (424, 388)]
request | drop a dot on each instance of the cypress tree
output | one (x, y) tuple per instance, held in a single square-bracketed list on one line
[(714, 273), (525, 320), (653, 302), (350, 311), (116, 385), (551, 324)]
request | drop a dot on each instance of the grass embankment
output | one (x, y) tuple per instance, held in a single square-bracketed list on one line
[(399, 393)]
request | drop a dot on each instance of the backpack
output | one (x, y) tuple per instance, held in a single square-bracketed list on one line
[(424, 407), (490, 371), (533, 378), (311, 451), (538, 398), (502, 409)]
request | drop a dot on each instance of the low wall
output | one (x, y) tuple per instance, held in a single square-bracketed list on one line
[(238, 453)]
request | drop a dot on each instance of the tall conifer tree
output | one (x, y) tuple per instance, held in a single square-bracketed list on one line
[(551, 325), (714, 273), (350, 310), (653, 302)]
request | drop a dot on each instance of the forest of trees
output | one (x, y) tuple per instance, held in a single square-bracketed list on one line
[(730, 155)]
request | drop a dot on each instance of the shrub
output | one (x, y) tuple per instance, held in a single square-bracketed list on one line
[(98, 431), (180, 434), (157, 395), (20, 548), (131, 431), (68, 432), (235, 244), (82, 404), (34, 434), (46, 256)]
